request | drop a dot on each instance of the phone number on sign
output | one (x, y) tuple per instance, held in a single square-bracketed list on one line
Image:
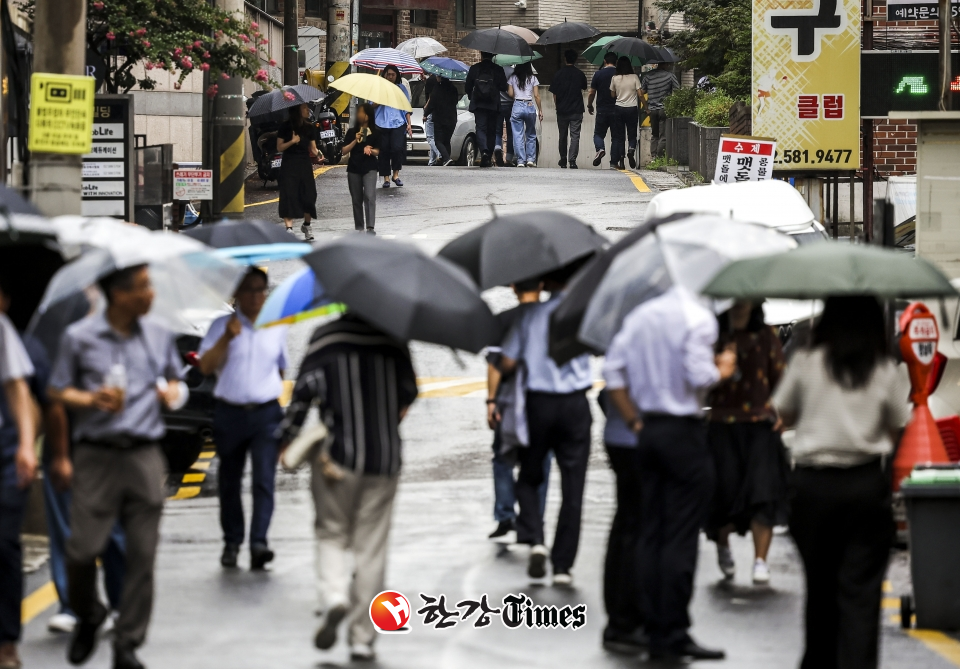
[(807, 157)]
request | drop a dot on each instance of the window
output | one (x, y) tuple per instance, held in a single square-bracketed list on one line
[(311, 7), (466, 13), (423, 18)]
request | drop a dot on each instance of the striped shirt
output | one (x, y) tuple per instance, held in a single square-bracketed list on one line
[(658, 84), (360, 379)]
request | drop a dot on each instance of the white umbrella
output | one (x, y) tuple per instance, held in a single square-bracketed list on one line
[(688, 252), (188, 278), (421, 47)]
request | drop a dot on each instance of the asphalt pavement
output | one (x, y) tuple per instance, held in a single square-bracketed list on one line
[(207, 617)]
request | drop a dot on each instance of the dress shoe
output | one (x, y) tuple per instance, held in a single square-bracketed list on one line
[(260, 555), (625, 643), (125, 658), (228, 558), (326, 634), (9, 658), (687, 650), (84, 641)]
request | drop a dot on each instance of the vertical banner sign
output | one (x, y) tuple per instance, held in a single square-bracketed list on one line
[(806, 82), (107, 188), (743, 158)]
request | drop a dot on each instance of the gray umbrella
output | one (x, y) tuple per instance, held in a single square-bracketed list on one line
[(665, 56), (404, 292), (496, 40), (288, 96), (515, 248), (633, 46), (568, 31)]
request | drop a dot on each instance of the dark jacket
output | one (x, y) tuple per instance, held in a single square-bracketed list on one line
[(485, 67), (443, 103)]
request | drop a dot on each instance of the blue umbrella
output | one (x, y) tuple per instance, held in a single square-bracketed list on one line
[(450, 68), (254, 254), (297, 299)]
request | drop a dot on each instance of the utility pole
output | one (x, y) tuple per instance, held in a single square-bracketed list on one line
[(227, 153), (339, 33), (60, 46), (946, 75), (291, 44)]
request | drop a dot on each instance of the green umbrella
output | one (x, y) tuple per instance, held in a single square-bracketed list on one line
[(821, 270), (596, 51), (513, 61)]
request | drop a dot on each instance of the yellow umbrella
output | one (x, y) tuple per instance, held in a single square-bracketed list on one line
[(373, 88)]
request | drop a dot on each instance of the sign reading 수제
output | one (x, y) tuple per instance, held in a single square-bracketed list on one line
[(806, 82), (193, 184), (61, 113), (744, 158)]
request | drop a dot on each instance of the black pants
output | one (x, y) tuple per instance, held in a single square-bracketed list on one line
[(842, 524), (393, 150), (676, 484), (621, 590), (486, 120), (626, 121), (442, 134), (605, 121), (561, 423), (12, 504), (503, 117), (658, 140)]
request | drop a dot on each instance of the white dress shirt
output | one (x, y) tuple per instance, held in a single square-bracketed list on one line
[(250, 373), (663, 355)]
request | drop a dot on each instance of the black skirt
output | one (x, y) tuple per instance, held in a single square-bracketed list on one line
[(298, 188), (752, 474)]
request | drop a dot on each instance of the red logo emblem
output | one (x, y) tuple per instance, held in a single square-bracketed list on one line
[(390, 613)]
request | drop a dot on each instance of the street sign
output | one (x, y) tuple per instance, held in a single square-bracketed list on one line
[(743, 158), (903, 81), (107, 188), (193, 184), (918, 10), (806, 82), (61, 113)]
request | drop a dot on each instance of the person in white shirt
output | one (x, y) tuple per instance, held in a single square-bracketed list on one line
[(625, 88), (522, 86)]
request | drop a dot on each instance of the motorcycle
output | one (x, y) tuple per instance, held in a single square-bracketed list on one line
[(329, 131), (268, 167)]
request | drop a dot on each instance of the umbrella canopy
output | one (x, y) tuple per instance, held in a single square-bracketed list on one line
[(513, 61), (373, 88), (256, 254), (497, 41), (298, 298), (596, 51), (378, 58), (450, 68), (665, 55), (404, 292), (243, 232), (687, 252), (633, 47), (421, 47), (515, 248), (525, 34), (288, 96), (568, 31), (823, 270)]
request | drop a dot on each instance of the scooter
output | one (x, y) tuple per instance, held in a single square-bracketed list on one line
[(329, 132), (268, 168)]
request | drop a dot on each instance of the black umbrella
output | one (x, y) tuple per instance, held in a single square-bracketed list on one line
[(632, 46), (495, 40), (404, 292), (566, 318), (515, 248), (665, 56), (225, 234), (288, 96), (568, 31)]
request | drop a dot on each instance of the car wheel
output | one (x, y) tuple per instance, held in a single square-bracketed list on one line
[(181, 450), (468, 155)]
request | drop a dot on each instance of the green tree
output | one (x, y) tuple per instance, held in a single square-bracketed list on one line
[(719, 43), (180, 36)]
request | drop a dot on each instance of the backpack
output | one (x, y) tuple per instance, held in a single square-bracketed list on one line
[(485, 89)]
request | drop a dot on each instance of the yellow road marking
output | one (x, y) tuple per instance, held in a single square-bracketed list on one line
[(194, 478), (207, 455), (201, 465), (890, 603), (37, 602), (456, 391), (317, 172), (187, 492), (887, 587), (941, 644), (638, 181)]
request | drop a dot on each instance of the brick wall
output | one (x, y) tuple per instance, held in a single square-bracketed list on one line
[(445, 32), (894, 147)]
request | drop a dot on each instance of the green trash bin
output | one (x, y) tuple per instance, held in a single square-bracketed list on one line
[(932, 495)]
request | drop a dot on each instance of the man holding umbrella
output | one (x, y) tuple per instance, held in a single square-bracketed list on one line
[(606, 105), (485, 82), (657, 84)]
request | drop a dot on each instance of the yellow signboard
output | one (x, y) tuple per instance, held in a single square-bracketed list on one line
[(61, 113), (806, 82)]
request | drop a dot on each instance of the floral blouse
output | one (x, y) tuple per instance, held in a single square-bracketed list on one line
[(745, 398)]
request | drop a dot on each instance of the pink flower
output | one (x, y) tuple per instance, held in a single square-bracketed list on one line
[(227, 21), (289, 96), (177, 86), (212, 91), (252, 49), (243, 38), (198, 44), (206, 55), (98, 6), (218, 34), (148, 65), (224, 76), (141, 32), (264, 41), (186, 63), (273, 63), (146, 44), (204, 66), (253, 24), (177, 51), (261, 75), (111, 36), (133, 34)]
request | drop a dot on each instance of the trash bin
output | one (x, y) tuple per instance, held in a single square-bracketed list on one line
[(932, 495)]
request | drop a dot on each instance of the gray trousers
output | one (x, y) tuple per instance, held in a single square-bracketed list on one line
[(111, 483), (571, 123), (353, 516), (363, 193)]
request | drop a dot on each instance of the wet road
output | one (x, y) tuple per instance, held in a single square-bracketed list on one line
[(205, 617)]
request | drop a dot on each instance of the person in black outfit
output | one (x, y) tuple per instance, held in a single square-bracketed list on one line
[(485, 81), (600, 91), (298, 188), (567, 88), (442, 105), (364, 147)]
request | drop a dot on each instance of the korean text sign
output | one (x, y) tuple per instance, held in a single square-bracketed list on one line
[(61, 113), (193, 184), (806, 82), (744, 159)]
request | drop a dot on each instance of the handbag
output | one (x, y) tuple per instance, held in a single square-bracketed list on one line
[(512, 406), (311, 444)]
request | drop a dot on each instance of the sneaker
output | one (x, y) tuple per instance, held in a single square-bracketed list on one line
[(537, 567), (573, 165), (563, 579), (597, 158), (620, 165), (307, 233), (761, 572), (485, 160), (633, 159), (62, 623), (371, 231), (386, 184), (290, 230), (398, 182), (448, 163), (362, 652), (110, 623), (530, 163), (326, 635), (519, 164), (498, 157), (506, 533), (725, 562), (562, 164), (124, 657)]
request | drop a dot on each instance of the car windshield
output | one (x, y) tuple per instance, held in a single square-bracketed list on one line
[(418, 93), (811, 237)]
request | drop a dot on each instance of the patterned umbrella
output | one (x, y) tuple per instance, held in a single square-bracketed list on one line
[(421, 47), (446, 67), (288, 96), (377, 59)]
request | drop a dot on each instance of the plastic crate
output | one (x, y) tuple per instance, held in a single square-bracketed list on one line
[(950, 433)]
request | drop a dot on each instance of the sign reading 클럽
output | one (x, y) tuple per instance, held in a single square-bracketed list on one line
[(193, 184), (743, 158), (806, 82), (61, 113)]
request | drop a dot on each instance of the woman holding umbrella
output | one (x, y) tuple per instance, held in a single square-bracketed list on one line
[(364, 147), (298, 188), (625, 88), (395, 126)]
